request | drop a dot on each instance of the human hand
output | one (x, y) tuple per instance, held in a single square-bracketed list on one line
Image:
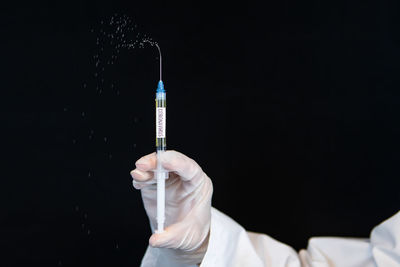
[(188, 192)]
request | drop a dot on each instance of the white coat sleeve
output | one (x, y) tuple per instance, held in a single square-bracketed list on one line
[(230, 245)]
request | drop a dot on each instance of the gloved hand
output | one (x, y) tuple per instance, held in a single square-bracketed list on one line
[(188, 192)]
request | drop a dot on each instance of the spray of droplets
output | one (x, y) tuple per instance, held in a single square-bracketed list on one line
[(111, 37), (117, 33)]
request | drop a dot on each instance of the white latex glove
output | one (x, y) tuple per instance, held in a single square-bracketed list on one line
[(188, 192)]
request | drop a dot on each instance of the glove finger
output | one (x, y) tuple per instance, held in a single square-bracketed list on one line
[(170, 238), (140, 182), (179, 163), (147, 163), (172, 161), (140, 185), (142, 176)]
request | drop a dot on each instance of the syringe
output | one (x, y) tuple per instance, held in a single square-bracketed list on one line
[(161, 146)]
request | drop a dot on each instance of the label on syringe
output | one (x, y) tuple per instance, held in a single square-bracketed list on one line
[(160, 122)]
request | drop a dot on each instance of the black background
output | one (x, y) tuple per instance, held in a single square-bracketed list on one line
[(291, 107)]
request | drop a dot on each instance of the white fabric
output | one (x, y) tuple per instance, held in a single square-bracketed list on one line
[(230, 245)]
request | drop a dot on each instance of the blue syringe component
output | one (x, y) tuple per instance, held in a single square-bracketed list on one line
[(160, 87)]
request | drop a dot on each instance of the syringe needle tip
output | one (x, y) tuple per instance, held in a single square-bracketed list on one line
[(159, 51)]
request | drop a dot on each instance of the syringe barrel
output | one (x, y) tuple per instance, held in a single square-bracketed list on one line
[(161, 113), (161, 146), (161, 176)]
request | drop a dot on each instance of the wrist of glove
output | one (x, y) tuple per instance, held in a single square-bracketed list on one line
[(188, 192)]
